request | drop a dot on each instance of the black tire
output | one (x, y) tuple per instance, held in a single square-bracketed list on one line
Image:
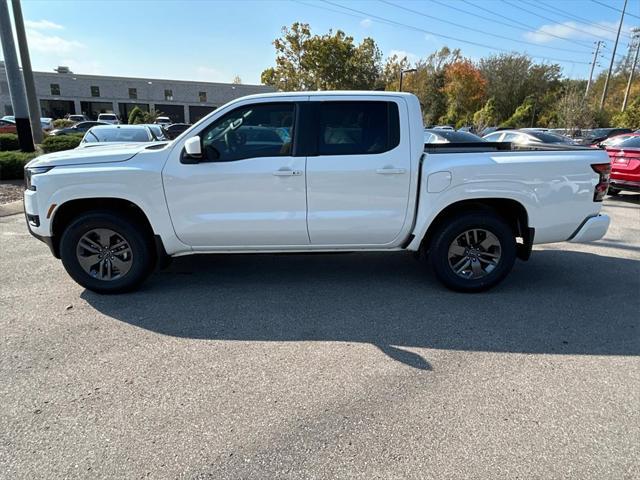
[(142, 251), (451, 230), (613, 191)]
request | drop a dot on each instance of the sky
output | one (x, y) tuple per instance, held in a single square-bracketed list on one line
[(213, 40)]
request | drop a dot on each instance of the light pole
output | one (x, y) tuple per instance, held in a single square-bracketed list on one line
[(27, 73), (14, 80), (402, 72)]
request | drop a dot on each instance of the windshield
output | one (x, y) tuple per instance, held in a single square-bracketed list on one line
[(122, 134), (104, 116), (598, 132), (157, 131)]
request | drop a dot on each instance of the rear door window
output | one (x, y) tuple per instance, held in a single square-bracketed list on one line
[(358, 128)]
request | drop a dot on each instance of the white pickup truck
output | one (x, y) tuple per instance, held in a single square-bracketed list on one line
[(311, 172)]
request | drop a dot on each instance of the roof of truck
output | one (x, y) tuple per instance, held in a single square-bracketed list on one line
[(351, 93)]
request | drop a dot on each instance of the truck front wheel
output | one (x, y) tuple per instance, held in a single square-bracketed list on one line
[(473, 252), (106, 253)]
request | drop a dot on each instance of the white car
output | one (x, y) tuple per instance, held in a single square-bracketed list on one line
[(163, 121), (111, 118), (311, 172), (528, 137), (46, 123), (76, 118)]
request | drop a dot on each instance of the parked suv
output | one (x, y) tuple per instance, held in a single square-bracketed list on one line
[(111, 118)]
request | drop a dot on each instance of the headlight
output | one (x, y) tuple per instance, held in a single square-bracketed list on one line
[(31, 171)]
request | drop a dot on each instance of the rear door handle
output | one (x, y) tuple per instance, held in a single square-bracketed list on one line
[(390, 171), (287, 173)]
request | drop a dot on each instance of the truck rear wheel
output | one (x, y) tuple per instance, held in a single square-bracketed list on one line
[(473, 252), (106, 253)]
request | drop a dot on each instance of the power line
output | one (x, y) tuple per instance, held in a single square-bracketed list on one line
[(528, 27), (614, 8), (562, 13), (478, 30), (552, 20), (564, 24), (448, 37), (555, 11), (493, 20)]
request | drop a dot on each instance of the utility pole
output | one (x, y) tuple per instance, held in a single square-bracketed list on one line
[(29, 84), (593, 65), (613, 57), (636, 37), (14, 79), (402, 72)]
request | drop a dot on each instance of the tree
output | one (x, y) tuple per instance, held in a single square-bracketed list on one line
[(427, 82), (630, 118), (522, 116), (390, 75), (485, 117), (289, 74), (136, 116), (465, 89), (237, 80), (328, 62), (512, 77), (573, 111)]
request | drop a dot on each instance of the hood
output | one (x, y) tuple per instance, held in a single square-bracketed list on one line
[(83, 156)]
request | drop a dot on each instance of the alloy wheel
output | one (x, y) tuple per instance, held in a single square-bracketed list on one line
[(474, 254), (104, 254)]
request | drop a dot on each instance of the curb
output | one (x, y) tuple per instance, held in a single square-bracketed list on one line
[(11, 208)]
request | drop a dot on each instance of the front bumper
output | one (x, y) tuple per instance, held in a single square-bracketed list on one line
[(34, 221), (593, 228)]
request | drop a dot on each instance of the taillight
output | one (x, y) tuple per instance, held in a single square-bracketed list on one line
[(604, 170)]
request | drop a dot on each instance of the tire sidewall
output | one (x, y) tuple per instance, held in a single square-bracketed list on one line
[(447, 234), (140, 249)]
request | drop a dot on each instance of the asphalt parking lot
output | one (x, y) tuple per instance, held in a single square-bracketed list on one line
[(324, 366)]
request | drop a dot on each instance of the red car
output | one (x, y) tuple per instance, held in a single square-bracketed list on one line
[(7, 126), (625, 166)]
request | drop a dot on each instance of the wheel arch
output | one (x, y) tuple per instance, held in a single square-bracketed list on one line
[(512, 211), (65, 213)]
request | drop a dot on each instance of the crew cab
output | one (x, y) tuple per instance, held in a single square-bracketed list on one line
[(311, 172)]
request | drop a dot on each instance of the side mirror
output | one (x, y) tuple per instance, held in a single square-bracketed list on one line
[(193, 147)]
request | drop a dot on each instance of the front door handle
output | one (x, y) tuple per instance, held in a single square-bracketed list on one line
[(390, 171), (287, 172)]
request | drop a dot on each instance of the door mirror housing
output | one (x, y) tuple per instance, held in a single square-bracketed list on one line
[(193, 148)]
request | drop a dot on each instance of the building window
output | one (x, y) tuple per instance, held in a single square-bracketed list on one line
[(55, 89), (95, 91), (133, 93), (202, 96), (168, 94)]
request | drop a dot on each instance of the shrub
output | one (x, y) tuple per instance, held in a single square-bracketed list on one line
[(12, 164), (63, 123), (61, 142), (136, 116), (9, 141)]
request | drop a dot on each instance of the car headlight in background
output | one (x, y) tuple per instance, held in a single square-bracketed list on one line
[(30, 172)]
